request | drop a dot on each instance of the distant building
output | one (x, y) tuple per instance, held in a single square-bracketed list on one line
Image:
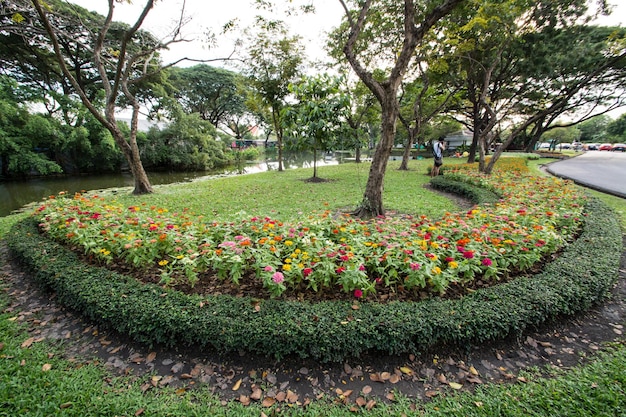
[(456, 139)]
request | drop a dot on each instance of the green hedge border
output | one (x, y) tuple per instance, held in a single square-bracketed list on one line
[(327, 331), (473, 193)]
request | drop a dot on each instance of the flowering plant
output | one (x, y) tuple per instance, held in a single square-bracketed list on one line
[(534, 218)]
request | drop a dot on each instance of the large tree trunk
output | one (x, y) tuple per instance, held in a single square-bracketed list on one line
[(372, 204), (404, 165)]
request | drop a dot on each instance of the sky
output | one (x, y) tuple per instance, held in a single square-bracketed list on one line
[(211, 14)]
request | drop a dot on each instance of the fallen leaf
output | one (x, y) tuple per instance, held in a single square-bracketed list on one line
[(151, 357), (46, 367), (263, 414), (394, 379), (245, 400), (155, 380), (292, 397), (181, 391), (545, 344), (385, 376), (65, 405), (268, 402), (355, 307), (473, 371), (431, 393), (366, 390), (391, 396), (28, 342), (347, 368), (256, 395), (375, 378), (406, 370), (455, 385), (139, 412), (237, 385), (347, 393), (478, 404), (522, 379), (442, 378), (370, 404), (360, 401), (145, 387), (280, 397)]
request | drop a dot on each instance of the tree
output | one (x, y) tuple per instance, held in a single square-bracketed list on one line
[(120, 67), (216, 94), (360, 25), (273, 63), (617, 128), (315, 120)]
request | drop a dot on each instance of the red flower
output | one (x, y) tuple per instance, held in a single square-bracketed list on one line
[(487, 262), (358, 293), (306, 272), (468, 254)]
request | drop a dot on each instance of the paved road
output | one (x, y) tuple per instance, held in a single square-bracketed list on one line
[(600, 170)]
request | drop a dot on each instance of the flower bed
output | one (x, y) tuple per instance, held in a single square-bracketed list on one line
[(534, 217), (328, 331)]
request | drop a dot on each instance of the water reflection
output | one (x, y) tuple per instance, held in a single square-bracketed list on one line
[(16, 194)]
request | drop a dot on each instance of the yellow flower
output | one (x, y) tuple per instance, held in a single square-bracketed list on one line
[(288, 260), (436, 270), (288, 243), (434, 245), (163, 262), (286, 267), (297, 251), (453, 264)]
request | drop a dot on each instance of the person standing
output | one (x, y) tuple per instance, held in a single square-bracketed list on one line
[(438, 148)]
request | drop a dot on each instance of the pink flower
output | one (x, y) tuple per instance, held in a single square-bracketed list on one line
[(358, 293), (487, 262), (361, 267), (468, 254), (278, 277), (415, 266), (306, 272), (449, 259), (268, 269), (340, 269)]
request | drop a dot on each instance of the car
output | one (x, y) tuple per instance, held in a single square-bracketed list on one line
[(544, 145), (619, 147), (591, 146), (577, 146), (605, 147)]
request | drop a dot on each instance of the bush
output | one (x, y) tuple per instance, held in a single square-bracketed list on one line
[(327, 331)]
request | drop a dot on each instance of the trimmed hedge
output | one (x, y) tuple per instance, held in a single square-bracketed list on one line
[(473, 193), (327, 331)]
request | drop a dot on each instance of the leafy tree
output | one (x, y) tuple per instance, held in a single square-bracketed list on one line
[(188, 143), (395, 33), (315, 121), (273, 62), (617, 128), (216, 94), (121, 59), (593, 130)]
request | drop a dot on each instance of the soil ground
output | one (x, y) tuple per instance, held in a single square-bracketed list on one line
[(243, 377)]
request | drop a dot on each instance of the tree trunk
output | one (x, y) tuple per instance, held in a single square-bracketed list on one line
[(372, 204), (404, 165), (357, 154), (131, 153)]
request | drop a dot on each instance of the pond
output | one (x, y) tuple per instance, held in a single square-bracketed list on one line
[(16, 194)]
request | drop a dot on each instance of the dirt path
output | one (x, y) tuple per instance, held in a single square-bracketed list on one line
[(250, 378)]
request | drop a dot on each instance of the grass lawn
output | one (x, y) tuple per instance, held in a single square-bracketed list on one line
[(36, 381)]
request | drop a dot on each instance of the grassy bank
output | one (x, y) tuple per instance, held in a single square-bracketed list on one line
[(35, 381)]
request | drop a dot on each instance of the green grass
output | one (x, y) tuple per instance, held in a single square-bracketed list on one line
[(70, 389)]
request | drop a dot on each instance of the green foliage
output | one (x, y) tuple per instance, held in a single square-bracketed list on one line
[(187, 143), (327, 331), (476, 195)]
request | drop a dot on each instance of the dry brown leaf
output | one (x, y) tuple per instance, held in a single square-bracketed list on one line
[(237, 385), (478, 404), (431, 393), (263, 414), (347, 368), (281, 396), (473, 371), (139, 412), (370, 404), (385, 376), (256, 395), (46, 367), (394, 379), (65, 405), (145, 387), (339, 391), (355, 307), (155, 380), (442, 378), (360, 401), (244, 399), (391, 396), (28, 342), (181, 391), (375, 378), (366, 390), (347, 393), (186, 376), (268, 402), (292, 397), (151, 357)]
